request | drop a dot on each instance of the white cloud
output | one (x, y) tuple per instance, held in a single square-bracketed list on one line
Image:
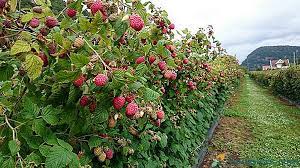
[(241, 25)]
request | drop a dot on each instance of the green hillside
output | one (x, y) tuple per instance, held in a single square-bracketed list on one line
[(262, 55)]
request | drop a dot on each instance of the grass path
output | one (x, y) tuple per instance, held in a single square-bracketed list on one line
[(257, 127)]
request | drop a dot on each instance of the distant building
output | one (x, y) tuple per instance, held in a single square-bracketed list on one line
[(277, 64)]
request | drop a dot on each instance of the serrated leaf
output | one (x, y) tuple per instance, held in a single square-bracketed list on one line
[(14, 147), (45, 150), (79, 60), (50, 115), (24, 35), (94, 141), (39, 127), (65, 145), (20, 46), (58, 157), (27, 17), (33, 66), (141, 69), (65, 23), (65, 76), (34, 158), (8, 163), (171, 63), (121, 27), (150, 95), (30, 110), (84, 24), (164, 140), (6, 72)]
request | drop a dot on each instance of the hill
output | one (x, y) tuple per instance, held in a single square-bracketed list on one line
[(262, 55)]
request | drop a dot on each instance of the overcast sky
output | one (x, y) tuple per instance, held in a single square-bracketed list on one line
[(240, 25)]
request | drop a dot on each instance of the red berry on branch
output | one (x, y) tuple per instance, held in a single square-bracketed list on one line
[(130, 98), (131, 109), (34, 23), (109, 154), (96, 6), (84, 101), (100, 80), (140, 60), (93, 106), (174, 54), (44, 58), (152, 58), (162, 65), (79, 81), (51, 21), (136, 22), (158, 122), (164, 30), (172, 26), (71, 12), (118, 102), (2, 3), (44, 31), (160, 114), (185, 61)]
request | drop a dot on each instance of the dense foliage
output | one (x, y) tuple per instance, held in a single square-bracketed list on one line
[(107, 88), (262, 55), (283, 82)]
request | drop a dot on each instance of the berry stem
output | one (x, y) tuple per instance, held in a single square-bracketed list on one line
[(105, 65)]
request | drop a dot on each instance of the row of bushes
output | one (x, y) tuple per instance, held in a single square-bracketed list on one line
[(105, 84), (284, 82)]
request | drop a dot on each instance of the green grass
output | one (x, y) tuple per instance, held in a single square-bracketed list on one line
[(275, 125)]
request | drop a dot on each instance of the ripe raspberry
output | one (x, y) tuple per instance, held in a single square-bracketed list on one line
[(109, 154), (79, 81), (185, 61), (78, 42), (174, 75), (136, 22), (168, 74), (158, 122), (152, 58), (51, 21), (161, 24), (164, 30), (96, 6), (191, 83), (93, 106), (119, 102), (44, 58), (122, 40), (100, 80), (174, 54), (160, 114), (131, 109), (162, 65), (34, 23), (2, 3), (140, 60), (171, 48), (44, 31), (71, 12), (37, 9), (84, 101), (52, 48), (172, 26), (130, 98)]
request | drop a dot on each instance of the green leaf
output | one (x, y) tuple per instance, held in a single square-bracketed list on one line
[(58, 157), (27, 17), (6, 72), (65, 23), (8, 163), (14, 147), (79, 60), (120, 27), (30, 110), (50, 115), (34, 158), (164, 140), (65, 145), (13, 5), (39, 127), (84, 24), (33, 66), (94, 141), (24, 35), (45, 150), (170, 62), (141, 69), (150, 95), (20, 46), (65, 76)]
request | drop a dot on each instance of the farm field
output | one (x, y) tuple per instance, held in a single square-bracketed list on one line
[(257, 127)]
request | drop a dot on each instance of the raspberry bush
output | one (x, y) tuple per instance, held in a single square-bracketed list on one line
[(105, 84)]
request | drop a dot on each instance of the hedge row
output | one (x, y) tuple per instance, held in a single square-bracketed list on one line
[(282, 82), (105, 84)]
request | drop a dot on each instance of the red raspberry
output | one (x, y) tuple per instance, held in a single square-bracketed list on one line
[(2, 3), (152, 58), (109, 154), (162, 65), (131, 109), (52, 48), (191, 83), (93, 106), (44, 58), (168, 74), (71, 12), (79, 81), (160, 114), (158, 122), (34, 23), (44, 31), (185, 61), (161, 24), (174, 54), (118, 102), (97, 6), (174, 75), (164, 30), (130, 98), (172, 26), (100, 80), (51, 21), (84, 101), (136, 22), (140, 60)]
